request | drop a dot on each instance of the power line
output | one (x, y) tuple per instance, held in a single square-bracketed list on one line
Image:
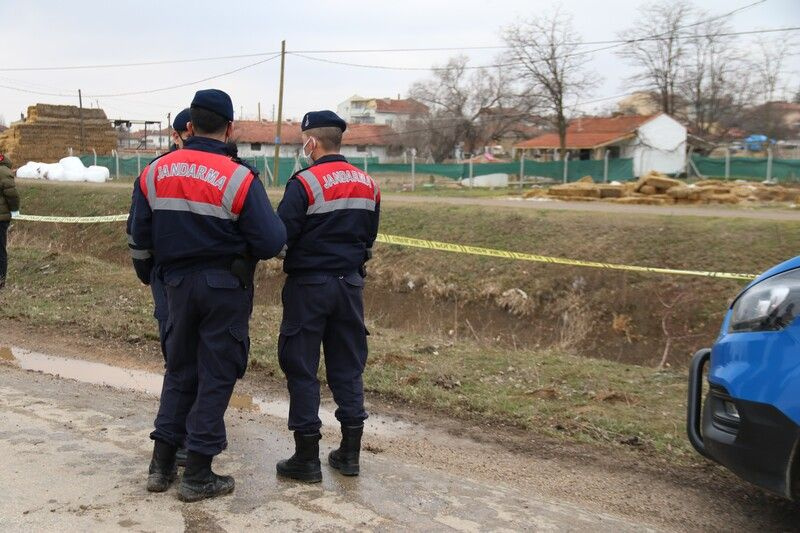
[(150, 91), (40, 93), (137, 64), (343, 51), (612, 44)]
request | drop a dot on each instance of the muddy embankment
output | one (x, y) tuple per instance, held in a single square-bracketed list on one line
[(632, 318), (621, 317)]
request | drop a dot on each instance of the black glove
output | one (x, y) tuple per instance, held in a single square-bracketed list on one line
[(244, 268), (143, 268)]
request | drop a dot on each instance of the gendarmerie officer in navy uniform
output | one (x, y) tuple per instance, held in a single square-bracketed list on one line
[(331, 211), (206, 219), (180, 133), (180, 128)]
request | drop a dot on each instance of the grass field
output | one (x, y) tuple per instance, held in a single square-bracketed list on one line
[(580, 365)]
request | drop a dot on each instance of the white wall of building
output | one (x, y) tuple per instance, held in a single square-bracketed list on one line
[(249, 150), (359, 110), (352, 152), (660, 145)]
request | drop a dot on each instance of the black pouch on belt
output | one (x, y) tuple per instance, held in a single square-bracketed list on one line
[(244, 268)]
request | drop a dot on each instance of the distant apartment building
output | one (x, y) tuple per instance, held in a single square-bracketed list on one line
[(388, 111)]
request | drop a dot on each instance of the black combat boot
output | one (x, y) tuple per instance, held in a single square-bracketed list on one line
[(345, 458), (162, 467), (199, 482), (180, 457), (304, 465)]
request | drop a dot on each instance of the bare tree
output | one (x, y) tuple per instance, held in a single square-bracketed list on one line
[(658, 48), (769, 67), (770, 79), (546, 51), (458, 98), (716, 81)]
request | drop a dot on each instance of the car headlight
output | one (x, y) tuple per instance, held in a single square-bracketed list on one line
[(768, 306)]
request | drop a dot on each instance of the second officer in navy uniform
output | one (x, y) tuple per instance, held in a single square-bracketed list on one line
[(331, 211), (145, 269), (205, 218)]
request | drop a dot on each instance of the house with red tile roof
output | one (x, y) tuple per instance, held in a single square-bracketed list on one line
[(254, 138), (390, 111), (654, 142)]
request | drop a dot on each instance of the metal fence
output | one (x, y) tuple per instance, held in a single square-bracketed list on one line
[(599, 170), (748, 168)]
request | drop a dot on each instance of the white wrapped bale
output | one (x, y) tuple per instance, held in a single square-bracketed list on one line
[(97, 174)]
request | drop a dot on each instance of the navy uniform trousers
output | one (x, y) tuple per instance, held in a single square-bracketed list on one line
[(160, 308), (207, 345), (328, 311)]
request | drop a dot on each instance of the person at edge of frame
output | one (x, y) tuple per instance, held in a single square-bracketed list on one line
[(9, 208), (331, 211), (204, 219)]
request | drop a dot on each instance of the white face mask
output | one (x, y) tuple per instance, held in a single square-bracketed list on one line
[(306, 156)]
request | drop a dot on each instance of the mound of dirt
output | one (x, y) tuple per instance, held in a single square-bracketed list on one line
[(655, 188)]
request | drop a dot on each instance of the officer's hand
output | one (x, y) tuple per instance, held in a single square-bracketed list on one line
[(282, 253)]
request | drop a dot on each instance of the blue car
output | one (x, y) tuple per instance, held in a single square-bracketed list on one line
[(750, 420)]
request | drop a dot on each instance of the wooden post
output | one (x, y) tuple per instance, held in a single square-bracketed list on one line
[(80, 116), (769, 163), (413, 168), (280, 117), (727, 163)]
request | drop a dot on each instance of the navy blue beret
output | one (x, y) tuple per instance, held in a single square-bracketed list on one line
[(179, 124), (322, 119), (214, 100)]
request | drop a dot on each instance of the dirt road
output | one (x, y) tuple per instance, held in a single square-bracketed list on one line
[(601, 207), (76, 453), (75, 456)]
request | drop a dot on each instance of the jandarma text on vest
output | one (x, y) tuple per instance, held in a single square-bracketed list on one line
[(186, 170), (346, 176)]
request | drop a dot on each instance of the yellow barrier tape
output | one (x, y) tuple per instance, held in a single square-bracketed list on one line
[(451, 247), (490, 252), (72, 220)]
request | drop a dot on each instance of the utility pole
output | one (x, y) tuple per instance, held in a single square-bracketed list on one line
[(280, 117), (80, 116)]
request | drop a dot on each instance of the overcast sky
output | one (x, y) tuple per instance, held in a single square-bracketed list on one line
[(57, 33)]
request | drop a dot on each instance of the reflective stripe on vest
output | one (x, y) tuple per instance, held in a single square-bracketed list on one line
[(317, 204), (136, 251), (233, 187), (151, 184), (317, 196)]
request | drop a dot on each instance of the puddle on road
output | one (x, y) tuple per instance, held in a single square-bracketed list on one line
[(5, 354), (150, 383)]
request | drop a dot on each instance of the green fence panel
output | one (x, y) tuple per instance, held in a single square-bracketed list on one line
[(749, 168), (130, 166), (447, 170), (618, 169)]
